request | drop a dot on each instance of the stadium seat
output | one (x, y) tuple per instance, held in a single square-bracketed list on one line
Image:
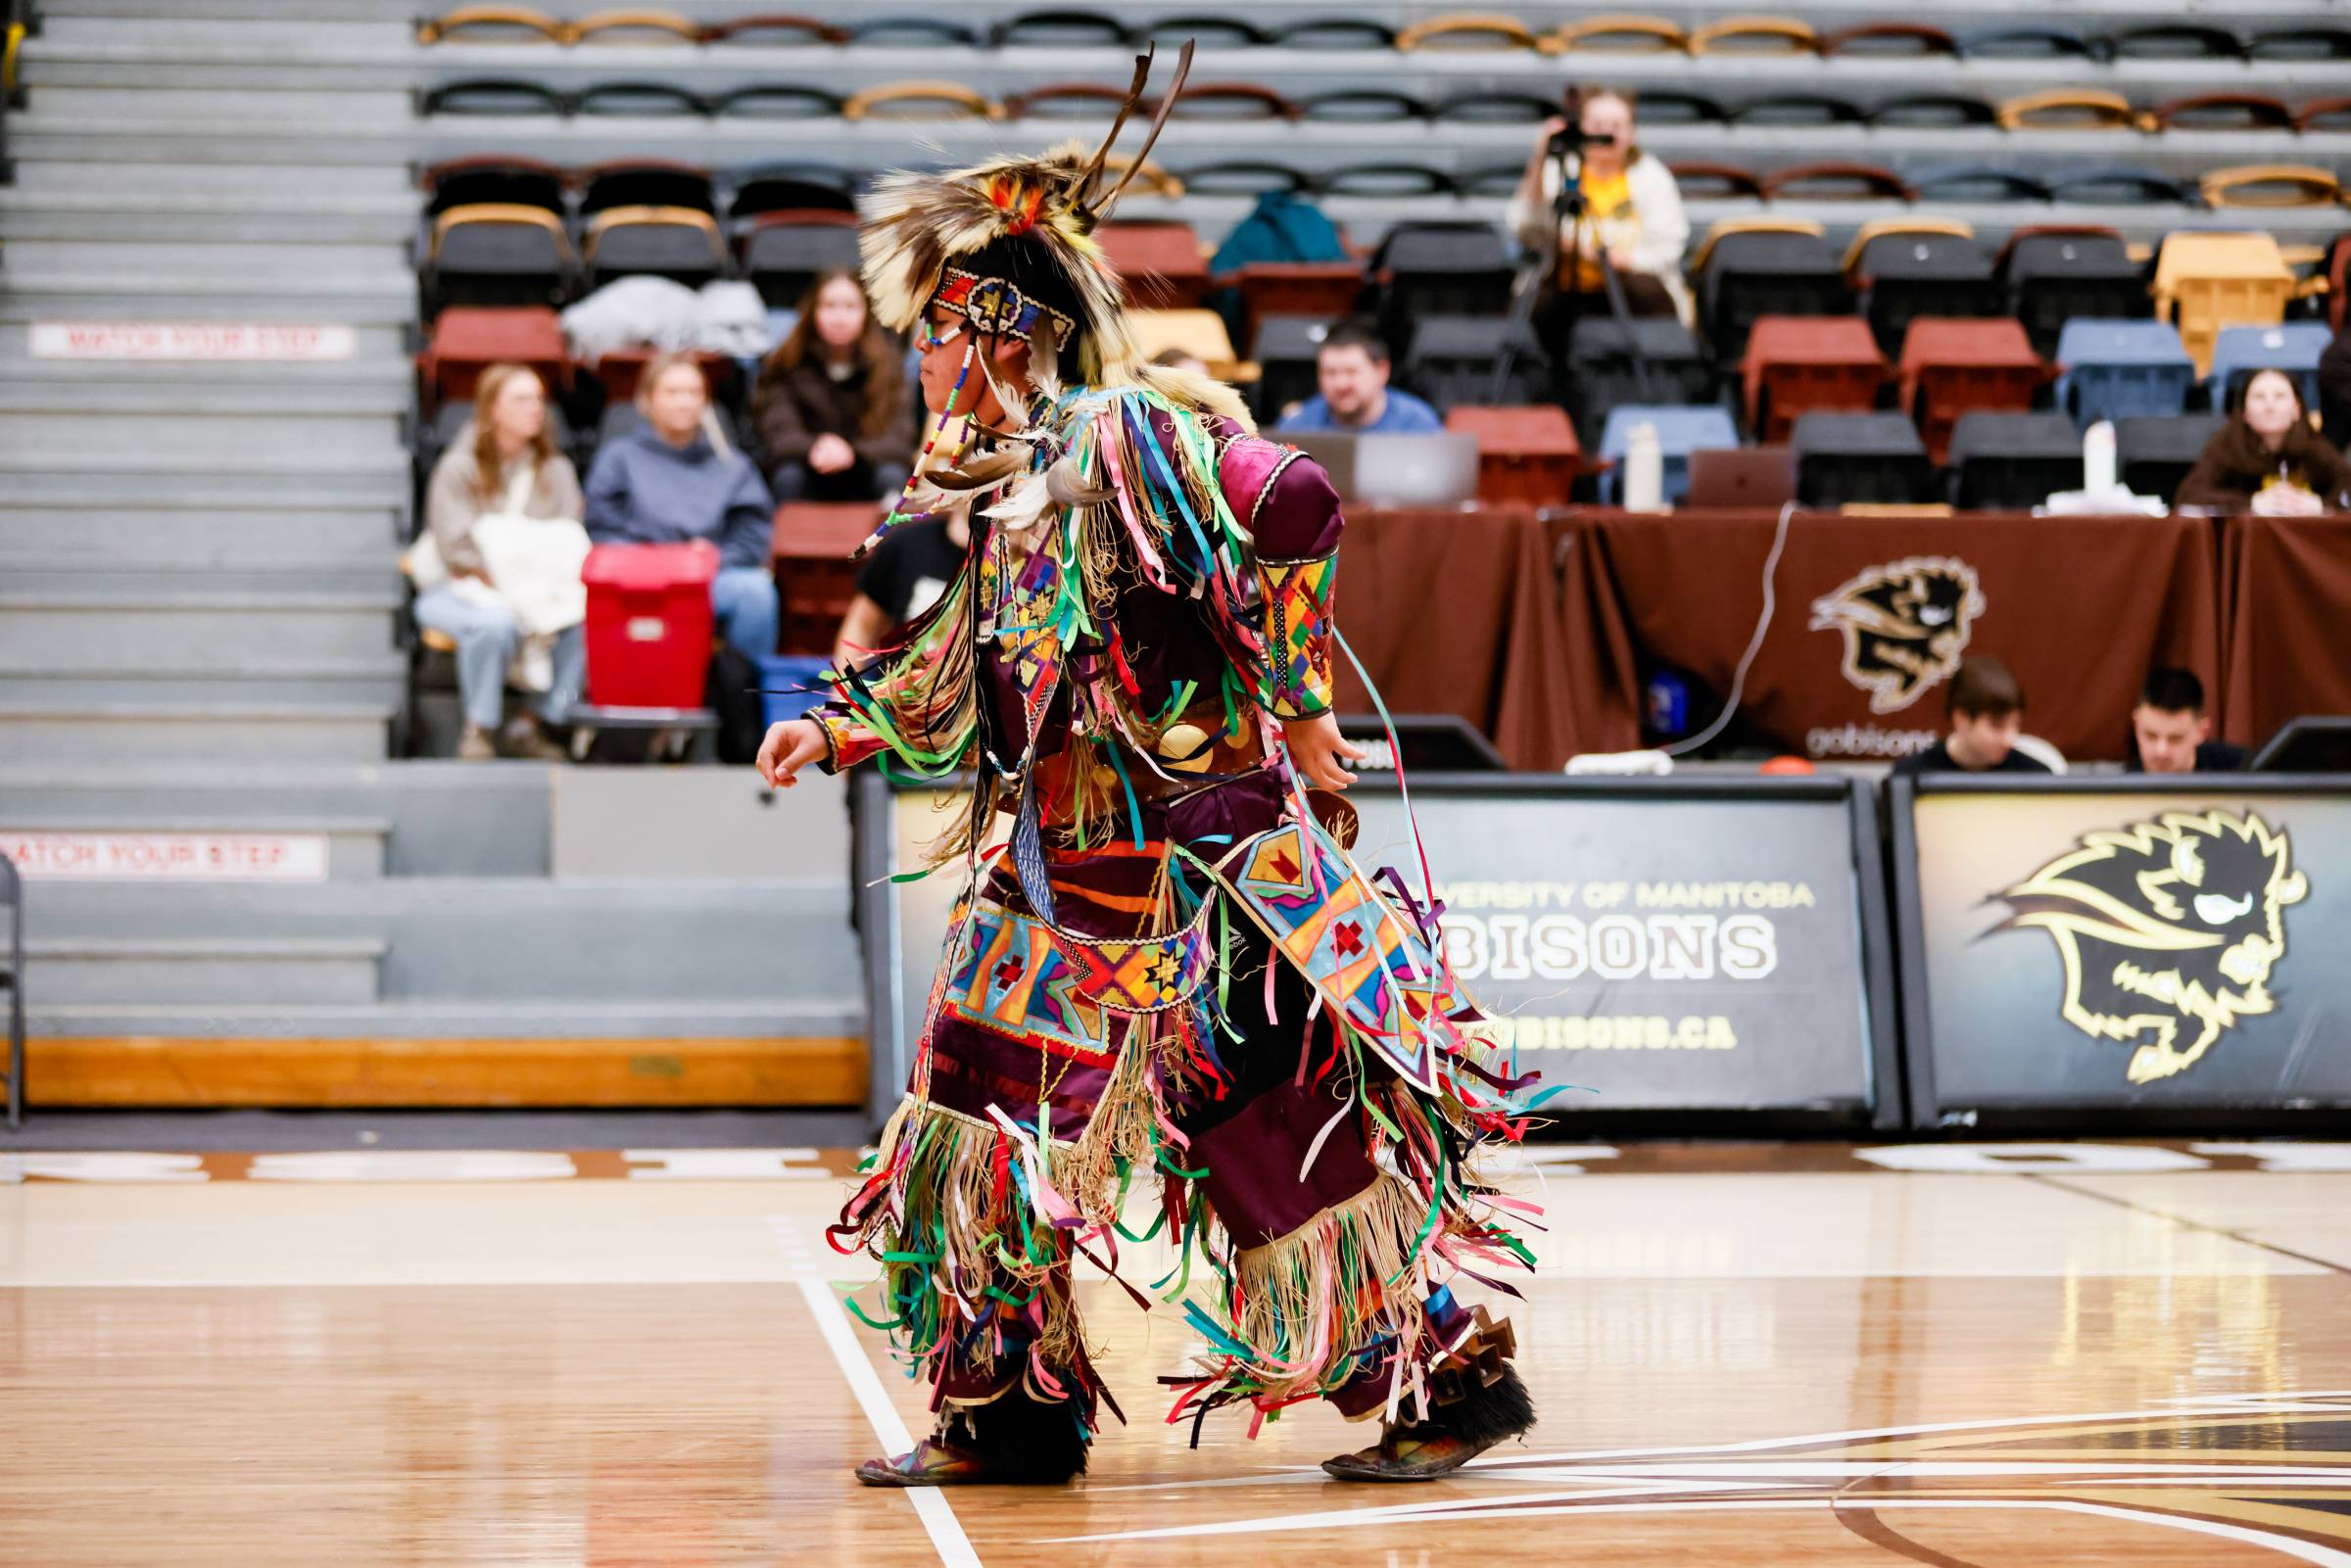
[(1755, 35), (1440, 269), (2152, 455), (1808, 109), (1526, 455), (917, 32), (2324, 114), (2025, 43), (2270, 185), (1227, 102), (1065, 100), (640, 100), (1888, 40), (635, 28), (1453, 360), (1619, 34), (1797, 365), (776, 100), (2013, 461), (768, 29), (500, 96), (1931, 112), (919, 100), (496, 253), (2122, 186), (2300, 45), (468, 338), (1160, 262), (783, 253), (1210, 29), (1977, 183), (2121, 369), (1836, 182), (1860, 458), (1317, 289), (1366, 106), (1681, 430), (810, 548), (1491, 107), (492, 23), (1388, 180), (1335, 33), (2174, 41), (2226, 110), (1700, 180), (1749, 267), (671, 241), (2207, 281), (2054, 274), (1199, 333), (1480, 31), (1285, 348), (494, 178), (1059, 30), (1909, 267), (804, 189), (2294, 347), (1600, 373), (1952, 368), (2069, 108)]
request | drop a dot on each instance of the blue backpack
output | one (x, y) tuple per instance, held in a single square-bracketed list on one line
[(1279, 228)]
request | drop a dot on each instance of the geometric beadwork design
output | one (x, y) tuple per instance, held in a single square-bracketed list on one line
[(1298, 605)]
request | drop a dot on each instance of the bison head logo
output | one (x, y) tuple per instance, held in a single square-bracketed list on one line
[(1905, 623), (2179, 920)]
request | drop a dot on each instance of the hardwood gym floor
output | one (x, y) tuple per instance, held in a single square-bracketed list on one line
[(1742, 1355)]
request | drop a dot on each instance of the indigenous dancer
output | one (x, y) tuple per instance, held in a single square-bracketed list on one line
[(1165, 975)]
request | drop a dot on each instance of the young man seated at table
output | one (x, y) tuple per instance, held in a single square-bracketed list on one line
[(2170, 731), (1987, 715), (1352, 369)]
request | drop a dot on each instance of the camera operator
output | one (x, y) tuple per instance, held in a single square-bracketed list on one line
[(1631, 213)]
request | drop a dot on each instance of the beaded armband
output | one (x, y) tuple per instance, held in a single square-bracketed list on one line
[(847, 743), (1298, 607)]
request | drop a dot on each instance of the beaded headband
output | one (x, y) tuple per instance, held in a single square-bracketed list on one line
[(997, 308)]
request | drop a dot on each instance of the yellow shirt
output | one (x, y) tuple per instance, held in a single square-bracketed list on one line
[(1609, 223)]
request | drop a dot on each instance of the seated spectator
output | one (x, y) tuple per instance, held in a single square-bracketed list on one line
[(903, 577), (1632, 214), (2266, 459), (1182, 360), (1352, 369), (1987, 716), (666, 481), (502, 462), (2170, 731), (834, 409)]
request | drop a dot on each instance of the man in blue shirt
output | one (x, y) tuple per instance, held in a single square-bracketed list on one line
[(1352, 368)]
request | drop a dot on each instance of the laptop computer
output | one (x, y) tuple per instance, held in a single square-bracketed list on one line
[(1372, 469), (1742, 477)]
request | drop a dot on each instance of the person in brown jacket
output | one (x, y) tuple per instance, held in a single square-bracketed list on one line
[(832, 405), (2266, 459)]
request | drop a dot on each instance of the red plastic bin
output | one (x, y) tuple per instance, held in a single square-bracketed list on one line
[(649, 623)]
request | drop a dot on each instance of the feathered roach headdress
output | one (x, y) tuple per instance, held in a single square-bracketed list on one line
[(1010, 243)]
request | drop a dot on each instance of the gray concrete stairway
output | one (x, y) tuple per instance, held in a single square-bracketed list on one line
[(197, 559)]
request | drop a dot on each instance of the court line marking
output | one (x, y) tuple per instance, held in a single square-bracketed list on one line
[(2186, 1223), (929, 1504), (2289, 1546)]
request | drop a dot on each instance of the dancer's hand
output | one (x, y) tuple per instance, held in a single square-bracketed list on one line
[(789, 746), (1315, 747)]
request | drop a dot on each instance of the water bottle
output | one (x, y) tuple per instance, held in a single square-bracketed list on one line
[(2097, 458), (1644, 470)]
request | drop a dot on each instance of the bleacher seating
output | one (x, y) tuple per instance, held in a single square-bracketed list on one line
[(2122, 369), (2012, 461), (1681, 430), (1956, 366), (1797, 365), (1844, 460), (2293, 346), (2153, 453)]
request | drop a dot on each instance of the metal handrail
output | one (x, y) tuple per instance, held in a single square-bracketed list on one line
[(12, 899)]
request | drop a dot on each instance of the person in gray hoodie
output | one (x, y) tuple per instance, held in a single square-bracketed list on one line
[(665, 482)]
